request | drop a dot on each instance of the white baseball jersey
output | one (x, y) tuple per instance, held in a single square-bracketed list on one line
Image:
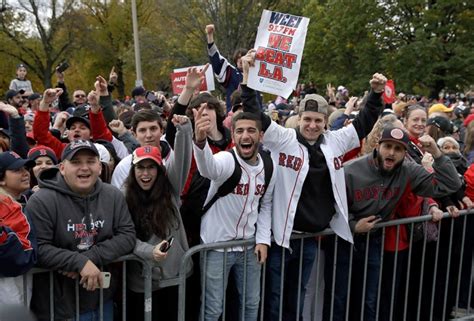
[(292, 165), (235, 216)]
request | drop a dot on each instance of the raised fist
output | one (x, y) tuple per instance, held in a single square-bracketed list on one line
[(210, 29), (377, 83)]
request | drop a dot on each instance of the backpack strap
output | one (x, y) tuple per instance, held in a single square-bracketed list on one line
[(228, 186), (268, 169)]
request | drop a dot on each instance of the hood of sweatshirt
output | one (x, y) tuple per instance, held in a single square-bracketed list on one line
[(51, 178)]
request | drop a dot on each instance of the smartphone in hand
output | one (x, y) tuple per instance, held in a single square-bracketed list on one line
[(105, 280), (166, 246)]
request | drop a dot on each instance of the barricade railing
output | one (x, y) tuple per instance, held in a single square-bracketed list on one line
[(316, 302), (147, 274), (458, 247)]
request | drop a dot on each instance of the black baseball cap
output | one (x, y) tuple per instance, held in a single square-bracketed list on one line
[(34, 96), (74, 119), (11, 160), (75, 146), (442, 123), (396, 135), (4, 132), (12, 93)]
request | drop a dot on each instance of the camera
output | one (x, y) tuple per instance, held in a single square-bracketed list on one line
[(62, 66)]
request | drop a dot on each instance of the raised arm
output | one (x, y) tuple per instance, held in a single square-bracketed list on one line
[(443, 181), (179, 166), (18, 142), (193, 80), (367, 117), (223, 70), (41, 124), (205, 160), (249, 96)]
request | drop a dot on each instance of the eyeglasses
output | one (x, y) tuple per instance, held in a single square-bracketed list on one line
[(79, 96)]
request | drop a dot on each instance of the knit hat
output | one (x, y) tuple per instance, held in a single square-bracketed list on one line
[(40, 151), (138, 91), (104, 154)]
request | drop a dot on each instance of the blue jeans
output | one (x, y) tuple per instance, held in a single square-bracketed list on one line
[(216, 275), (95, 315), (290, 277), (338, 293)]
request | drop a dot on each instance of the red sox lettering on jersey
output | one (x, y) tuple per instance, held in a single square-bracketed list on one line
[(290, 161), (243, 189), (376, 192), (296, 162)]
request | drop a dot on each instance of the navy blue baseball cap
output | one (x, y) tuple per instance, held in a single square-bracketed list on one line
[(75, 146), (75, 119), (11, 160), (4, 132), (12, 93)]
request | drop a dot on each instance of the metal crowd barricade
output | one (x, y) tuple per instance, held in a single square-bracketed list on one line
[(147, 272), (315, 302)]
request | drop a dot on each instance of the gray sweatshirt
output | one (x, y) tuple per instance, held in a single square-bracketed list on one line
[(166, 272), (371, 193)]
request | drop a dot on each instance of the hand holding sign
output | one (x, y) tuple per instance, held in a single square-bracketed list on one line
[(247, 61), (280, 42)]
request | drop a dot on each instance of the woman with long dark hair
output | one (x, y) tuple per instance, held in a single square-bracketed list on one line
[(153, 197)]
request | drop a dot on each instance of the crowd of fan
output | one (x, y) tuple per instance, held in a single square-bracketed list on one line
[(88, 180)]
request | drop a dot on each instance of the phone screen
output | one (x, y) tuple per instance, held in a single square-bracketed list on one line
[(150, 96), (166, 246)]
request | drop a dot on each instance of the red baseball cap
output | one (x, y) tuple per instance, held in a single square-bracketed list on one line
[(147, 152)]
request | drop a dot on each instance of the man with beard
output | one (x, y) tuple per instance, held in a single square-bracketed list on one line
[(375, 183), (235, 216)]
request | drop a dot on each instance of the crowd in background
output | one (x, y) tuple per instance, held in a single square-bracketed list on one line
[(86, 178)]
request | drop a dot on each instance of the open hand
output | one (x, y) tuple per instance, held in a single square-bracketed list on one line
[(194, 77)]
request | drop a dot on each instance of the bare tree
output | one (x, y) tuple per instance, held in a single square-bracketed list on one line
[(39, 34)]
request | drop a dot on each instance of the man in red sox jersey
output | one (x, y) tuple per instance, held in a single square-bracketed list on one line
[(310, 193), (235, 216)]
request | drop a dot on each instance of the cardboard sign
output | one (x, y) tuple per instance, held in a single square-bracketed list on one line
[(279, 44), (178, 80)]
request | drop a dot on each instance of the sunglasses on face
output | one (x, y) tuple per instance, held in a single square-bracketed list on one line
[(79, 96)]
